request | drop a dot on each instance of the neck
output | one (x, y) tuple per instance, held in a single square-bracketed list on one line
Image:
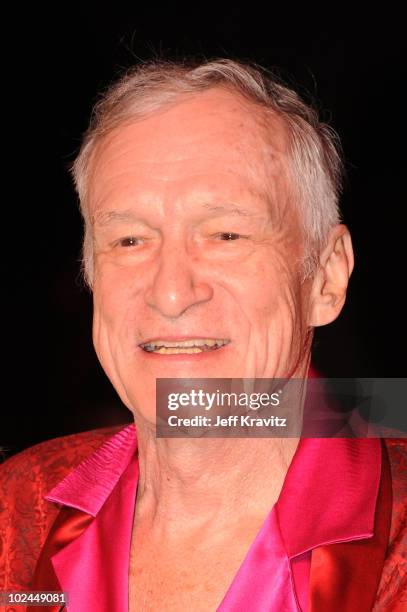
[(187, 484)]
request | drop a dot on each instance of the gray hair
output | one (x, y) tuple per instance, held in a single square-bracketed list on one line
[(314, 148)]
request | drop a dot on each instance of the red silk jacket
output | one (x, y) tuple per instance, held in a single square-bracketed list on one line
[(26, 518)]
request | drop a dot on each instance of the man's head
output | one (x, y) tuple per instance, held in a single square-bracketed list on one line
[(210, 201)]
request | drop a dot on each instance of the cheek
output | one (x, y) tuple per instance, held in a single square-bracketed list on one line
[(272, 292), (112, 305), (274, 306)]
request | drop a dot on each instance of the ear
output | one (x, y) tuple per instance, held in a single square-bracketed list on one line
[(328, 290)]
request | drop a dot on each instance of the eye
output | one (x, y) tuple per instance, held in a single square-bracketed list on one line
[(129, 241), (228, 236)]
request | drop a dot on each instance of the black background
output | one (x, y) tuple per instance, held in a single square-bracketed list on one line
[(54, 66)]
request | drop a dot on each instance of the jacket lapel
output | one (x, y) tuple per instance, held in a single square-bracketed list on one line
[(87, 550), (327, 506), (69, 524), (345, 576)]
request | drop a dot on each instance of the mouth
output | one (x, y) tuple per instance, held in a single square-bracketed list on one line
[(186, 347)]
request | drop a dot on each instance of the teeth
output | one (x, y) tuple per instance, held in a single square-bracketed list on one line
[(197, 345), (175, 351)]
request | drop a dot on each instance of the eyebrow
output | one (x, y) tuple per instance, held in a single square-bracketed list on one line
[(231, 209), (108, 217)]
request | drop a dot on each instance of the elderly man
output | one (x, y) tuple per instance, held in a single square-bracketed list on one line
[(213, 248)]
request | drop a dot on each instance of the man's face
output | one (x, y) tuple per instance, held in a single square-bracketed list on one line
[(195, 238)]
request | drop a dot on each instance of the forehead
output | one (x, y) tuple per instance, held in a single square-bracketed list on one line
[(216, 138)]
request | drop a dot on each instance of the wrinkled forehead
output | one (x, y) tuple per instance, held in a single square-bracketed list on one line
[(216, 133)]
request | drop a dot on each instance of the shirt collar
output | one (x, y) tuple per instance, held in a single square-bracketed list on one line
[(329, 492), (89, 485)]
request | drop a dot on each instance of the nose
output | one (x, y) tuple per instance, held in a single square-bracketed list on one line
[(176, 285)]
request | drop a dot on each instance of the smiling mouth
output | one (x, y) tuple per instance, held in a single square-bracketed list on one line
[(194, 345)]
